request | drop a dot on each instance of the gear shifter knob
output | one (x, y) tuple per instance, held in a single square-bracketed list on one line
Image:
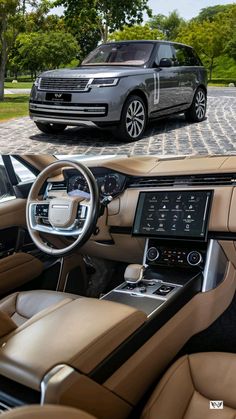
[(134, 273)]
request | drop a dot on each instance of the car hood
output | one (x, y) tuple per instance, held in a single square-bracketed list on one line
[(96, 72)]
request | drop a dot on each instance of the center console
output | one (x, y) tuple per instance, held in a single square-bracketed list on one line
[(175, 226)]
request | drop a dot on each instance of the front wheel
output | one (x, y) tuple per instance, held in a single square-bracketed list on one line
[(197, 111), (133, 119), (48, 128)]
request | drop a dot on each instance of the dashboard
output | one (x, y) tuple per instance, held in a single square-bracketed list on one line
[(121, 237)]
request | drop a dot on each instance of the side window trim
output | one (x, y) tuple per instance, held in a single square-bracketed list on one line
[(10, 170), (7, 192)]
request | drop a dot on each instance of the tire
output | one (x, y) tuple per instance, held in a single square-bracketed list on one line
[(197, 111), (48, 128), (133, 119)]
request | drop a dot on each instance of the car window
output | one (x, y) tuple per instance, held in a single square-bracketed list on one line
[(185, 56), (22, 172), (164, 51), (6, 189), (118, 54)]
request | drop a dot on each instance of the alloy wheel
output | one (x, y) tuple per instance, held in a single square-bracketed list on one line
[(135, 119), (200, 104)]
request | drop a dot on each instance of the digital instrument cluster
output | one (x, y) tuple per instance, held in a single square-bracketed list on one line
[(110, 183)]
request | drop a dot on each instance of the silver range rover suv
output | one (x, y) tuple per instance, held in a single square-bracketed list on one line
[(122, 85)]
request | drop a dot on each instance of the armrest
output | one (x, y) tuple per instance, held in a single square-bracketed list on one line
[(82, 333)]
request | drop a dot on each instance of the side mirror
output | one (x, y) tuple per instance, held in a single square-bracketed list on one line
[(165, 62)]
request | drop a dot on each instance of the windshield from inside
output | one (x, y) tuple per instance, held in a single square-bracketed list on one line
[(136, 54)]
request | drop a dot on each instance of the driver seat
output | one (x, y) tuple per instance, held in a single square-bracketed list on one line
[(23, 306)]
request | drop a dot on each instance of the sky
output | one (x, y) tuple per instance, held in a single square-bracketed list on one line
[(186, 8)]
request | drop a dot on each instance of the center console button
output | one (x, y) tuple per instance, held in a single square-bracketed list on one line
[(142, 289), (150, 284), (152, 254), (164, 290), (194, 258)]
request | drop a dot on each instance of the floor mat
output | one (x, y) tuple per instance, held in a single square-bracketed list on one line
[(220, 336)]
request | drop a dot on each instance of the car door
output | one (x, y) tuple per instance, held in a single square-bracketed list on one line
[(166, 83), (18, 255), (186, 64)]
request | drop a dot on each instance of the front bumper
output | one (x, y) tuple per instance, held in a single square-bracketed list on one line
[(70, 115), (97, 106)]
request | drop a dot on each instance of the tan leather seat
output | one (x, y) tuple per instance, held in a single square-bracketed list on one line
[(22, 306), (187, 388), (46, 412), (184, 392)]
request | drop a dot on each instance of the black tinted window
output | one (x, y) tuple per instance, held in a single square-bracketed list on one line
[(164, 51), (185, 56)]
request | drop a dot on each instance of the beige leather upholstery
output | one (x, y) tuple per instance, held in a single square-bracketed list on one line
[(183, 393), (46, 412), (80, 333), (17, 269), (7, 325), (191, 383), (22, 306)]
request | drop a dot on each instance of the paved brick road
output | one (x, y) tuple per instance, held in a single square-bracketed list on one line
[(172, 136)]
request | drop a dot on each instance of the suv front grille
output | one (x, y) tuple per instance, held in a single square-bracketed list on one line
[(63, 84)]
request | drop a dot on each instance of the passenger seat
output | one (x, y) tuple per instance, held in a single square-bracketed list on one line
[(193, 387)]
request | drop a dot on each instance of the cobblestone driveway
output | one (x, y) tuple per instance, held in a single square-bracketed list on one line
[(172, 136)]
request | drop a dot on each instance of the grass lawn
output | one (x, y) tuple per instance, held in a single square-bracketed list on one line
[(20, 85), (14, 106), (217, 84)]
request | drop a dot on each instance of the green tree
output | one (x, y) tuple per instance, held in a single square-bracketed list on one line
[(136, 32), (210, 13), (207, 38), (106, 15), (168, 25), (229, 17), (10, 22), (231, 47), (38, 51), (86, 34)]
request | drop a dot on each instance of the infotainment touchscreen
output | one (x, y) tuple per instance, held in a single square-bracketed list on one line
[(173, 214)]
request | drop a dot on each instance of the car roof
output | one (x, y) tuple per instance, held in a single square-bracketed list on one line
[(148, 41)]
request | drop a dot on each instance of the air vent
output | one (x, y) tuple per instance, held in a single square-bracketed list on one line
[(57, 186), (181, 181)]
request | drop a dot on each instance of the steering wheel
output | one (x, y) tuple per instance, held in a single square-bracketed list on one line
[(67, 215)]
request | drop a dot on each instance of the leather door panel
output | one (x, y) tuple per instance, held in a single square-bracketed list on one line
[(12, 213), (17, 269)]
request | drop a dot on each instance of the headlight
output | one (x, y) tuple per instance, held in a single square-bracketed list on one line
[(104, 82), (37, 81)]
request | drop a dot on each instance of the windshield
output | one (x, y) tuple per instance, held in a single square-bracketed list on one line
[(120, 54)]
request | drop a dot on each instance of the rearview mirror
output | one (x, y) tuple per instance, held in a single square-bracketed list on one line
[(165, 62)]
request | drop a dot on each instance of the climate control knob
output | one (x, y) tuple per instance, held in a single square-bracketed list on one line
[(194, 258), (152, 254)]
